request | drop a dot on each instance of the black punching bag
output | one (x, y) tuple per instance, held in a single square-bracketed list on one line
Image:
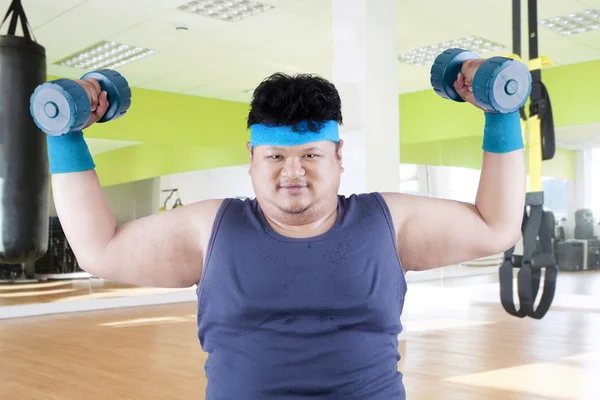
[(24, 174)]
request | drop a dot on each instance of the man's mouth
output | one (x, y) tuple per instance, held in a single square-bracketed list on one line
[(293, 188)]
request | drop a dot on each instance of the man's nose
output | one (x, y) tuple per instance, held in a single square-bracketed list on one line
[(293, 168)]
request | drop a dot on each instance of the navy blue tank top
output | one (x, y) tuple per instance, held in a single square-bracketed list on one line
[(288, 318)]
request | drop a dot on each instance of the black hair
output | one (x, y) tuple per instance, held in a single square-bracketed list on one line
[(287, 100)]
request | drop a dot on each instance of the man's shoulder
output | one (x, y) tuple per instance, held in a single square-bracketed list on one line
[(371, 197), (203, 213), (365, 203), (398, 199), (209, 210), (399, 206)]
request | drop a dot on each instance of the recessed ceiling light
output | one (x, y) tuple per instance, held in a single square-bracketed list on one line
[(105, 55), (225, 10), (425, 56), (584, 21)]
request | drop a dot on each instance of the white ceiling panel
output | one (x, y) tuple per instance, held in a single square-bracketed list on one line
[(160, 32), (242, 76), (568, 49), (263, 28), (221, 90), (578, 137), (555, 8), (66, 72), (39, 12), (415, 31), (320, 64), (59, 40), (304, 53), (194, 76), (422, 24), (152, 68), (119, 12), (561, 49), (502, 10), (206, 63), (317, 9), (420, 27), (229, 86), (562, 53), (589, 39), (306, 42), (168, 4), (247, 78), (463, 17)]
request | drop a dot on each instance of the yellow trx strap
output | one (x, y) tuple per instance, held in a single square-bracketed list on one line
[(532, 135), (535, 154)]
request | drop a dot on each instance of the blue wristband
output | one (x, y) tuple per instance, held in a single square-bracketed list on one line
[(69, 153), (502, 132)]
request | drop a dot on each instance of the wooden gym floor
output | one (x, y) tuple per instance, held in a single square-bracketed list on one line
[(460, 344), (59, 291)]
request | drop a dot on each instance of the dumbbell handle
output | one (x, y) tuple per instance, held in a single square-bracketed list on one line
[(117, 89), (445, 70), (499, 84)]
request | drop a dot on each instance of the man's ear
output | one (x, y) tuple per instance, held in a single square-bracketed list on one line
[(339, 154), (250, 150), (251, 153)]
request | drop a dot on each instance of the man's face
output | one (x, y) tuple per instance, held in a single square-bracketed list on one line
[(296, 179)]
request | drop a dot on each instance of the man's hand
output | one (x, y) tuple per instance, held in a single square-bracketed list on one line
[(464, 83), (98, 99)]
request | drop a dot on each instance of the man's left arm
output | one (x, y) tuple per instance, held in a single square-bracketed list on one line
[(435, 232)]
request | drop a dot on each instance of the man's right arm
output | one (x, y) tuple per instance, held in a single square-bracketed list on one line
[(163, 250)]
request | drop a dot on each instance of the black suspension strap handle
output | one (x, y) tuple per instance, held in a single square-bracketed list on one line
[(537, 256)]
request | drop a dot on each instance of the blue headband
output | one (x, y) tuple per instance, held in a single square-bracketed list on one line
[(271, 135)]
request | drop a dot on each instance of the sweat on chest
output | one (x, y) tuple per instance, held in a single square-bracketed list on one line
[(306, 273)]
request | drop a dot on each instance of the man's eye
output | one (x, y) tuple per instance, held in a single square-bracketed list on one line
[(311, 156)]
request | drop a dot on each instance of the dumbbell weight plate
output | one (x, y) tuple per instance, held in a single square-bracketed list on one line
[(117, 89), (59, 107), (445, 70), (502, 85)]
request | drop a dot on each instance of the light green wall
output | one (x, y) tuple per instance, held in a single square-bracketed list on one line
[(151, 160), (574, 93), (561, 166), (424, 116), (162, 118), (466, 152), (184, 133)]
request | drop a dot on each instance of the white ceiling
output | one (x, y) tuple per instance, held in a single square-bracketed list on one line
[(223, 59), (578, 137)]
